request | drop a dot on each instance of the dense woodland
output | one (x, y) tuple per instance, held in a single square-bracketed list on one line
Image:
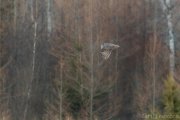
[(51, 67)]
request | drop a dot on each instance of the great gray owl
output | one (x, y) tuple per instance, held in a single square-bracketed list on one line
[(107, 48)]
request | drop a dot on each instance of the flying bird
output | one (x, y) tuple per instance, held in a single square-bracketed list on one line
[(107, 48)]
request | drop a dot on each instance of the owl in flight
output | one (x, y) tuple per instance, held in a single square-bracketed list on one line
[(107, 48)]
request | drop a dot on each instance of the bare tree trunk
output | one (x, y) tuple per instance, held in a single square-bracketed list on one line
[(154, 55), (15, 15), (91, 61), (61, 91)]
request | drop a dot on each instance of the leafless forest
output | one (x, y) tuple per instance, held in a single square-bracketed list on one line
[(51, 67)]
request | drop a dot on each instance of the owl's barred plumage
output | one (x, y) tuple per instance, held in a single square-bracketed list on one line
[(106, 49), (106, 54)]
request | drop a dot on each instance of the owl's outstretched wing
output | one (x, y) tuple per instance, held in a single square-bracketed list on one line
[(109, 46), (106, 54)]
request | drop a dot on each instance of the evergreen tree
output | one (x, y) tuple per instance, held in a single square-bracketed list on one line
[(171, 98), (170, 102)]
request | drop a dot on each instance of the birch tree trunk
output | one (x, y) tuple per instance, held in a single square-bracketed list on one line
[(33, 18), (167, 9), (49, 16)]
